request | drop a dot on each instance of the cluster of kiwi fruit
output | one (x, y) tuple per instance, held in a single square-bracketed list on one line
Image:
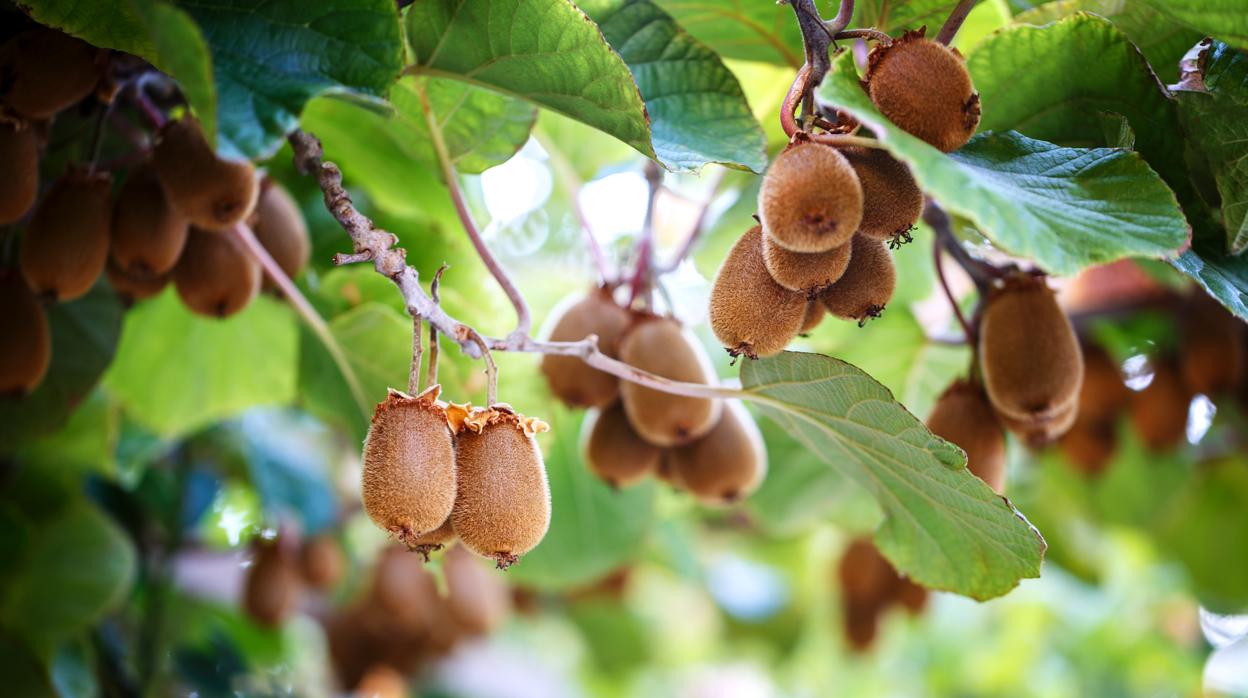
[(869, 586), (282, 567), (436, 471), (709, 448)]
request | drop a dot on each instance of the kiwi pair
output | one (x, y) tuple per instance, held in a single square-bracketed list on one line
[(279, 571), (869, 586)]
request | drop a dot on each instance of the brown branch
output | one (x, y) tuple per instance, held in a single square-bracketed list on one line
[(866, 33), (951, 26), (843, 16), (431, 371)]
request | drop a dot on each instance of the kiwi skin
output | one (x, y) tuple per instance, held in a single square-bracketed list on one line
[(215, 276), (147, 234), (272, 588), (27, 349), (19, 170), (1103, 394), (210, 192), (322, 562), (132, 288), (659, 345), (1212, 354), (43, 71), (614, 452), (66, 243), (281, 229), (924, 88), (963, 417), (750, 313), (1090, 445), (867, 285), (1159, 412), (476, 598), (893, 199), (810, 199), (573, 381), (808, 274), (727, 464), (814, 315)]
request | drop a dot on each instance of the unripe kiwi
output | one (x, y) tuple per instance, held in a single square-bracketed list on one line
[(272, 587), (215, 276), (810, 199), (727, 464), (476, 598), (572, 380), (1159, 412), (1090, 445), (806, 273), (1030, 357), (132, 288), (66, 243), (867, 284), (963, 416), (210, 192), (1212, 352), (27, 347), (502, 508), (814, 315), (658, 345), (409, 481), (381, 681), (321, 562), (281, 229), (43, 71), (750, 313), (892, 201), (406, 590), (19, 170), (614, 452), (923, 87), (1103, 394), (147, 234)]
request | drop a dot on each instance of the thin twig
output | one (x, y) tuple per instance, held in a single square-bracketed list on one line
[(572, 183), (865, 33), (953, 302), (982, 273), (413, 374), (431, 371), (699, 226), (491, 370), (643, 273), (843, 16), (951, 26)]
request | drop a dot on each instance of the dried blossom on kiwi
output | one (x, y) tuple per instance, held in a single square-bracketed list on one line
[(750, 313)]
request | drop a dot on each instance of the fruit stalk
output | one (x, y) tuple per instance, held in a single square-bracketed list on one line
[(431, 370), (954, 22)]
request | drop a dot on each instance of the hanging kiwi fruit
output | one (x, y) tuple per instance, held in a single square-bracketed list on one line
[(924, 88), (806, 273), (750, 313), (281, 229), (272, 588), (43, 71), (210, 192), (19, 169), (132, 288), (1212, 354), (1089, 445), (728, 463), (614, 452), (1159, 412), (1103, 394), (215, 276), (867, 285), (963, 417), (147, 234), (659, 345), (66, 243), (27, 349), (476, 597), (574, 382), (892, 199), (810, 199), (321, 562), (815, 311)]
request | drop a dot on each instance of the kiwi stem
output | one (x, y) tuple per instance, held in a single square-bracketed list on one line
[(572, 183), (843, 15), (866, 33), (982, 273), (491, 370), (643, 274), (418, 348), (431, 370), (699, 226), (953, 302), (951, 26)]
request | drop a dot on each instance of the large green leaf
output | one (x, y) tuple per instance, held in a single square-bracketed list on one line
[(1223, 19), (181, 52), (1064, 208), (1206, 528), (743, 29), (1223, 276), (893, 17), (943, 526)]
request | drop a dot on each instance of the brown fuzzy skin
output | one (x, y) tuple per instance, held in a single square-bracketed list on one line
[(614, 452), (476, 598), (867, 285), (434, 540), (19, 170), (27, 347), (1159, 411), (666, 472), (963, 417), (925, 89), (727, 464), (571, 380), (1103, 395), (66, 243), (322, 562), (409, 482), (405, 590), (892, 201), (750, 313), (864, 573), (1042, 431), (272, 589), (1090, 445), (815, 311), (1030, 357), (502, 508), (807, 274), (210, 192), (215, 276), (43, 71), (281, 229), (658, 345), (810, 200), (1212, 354), (132, 288), (147, 234)]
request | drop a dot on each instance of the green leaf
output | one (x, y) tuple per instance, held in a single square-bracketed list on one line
[(1223, 19), (1064, 208), (742, 29), (181, 52), (71, 670), (943, 526), (894, 17), (176, 371), (1223, 276), (114, 24), (1206, 529)]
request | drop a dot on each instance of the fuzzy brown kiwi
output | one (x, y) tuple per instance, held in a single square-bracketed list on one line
[(1041, 431), (863, 572), (19, 170), (892, 201), (666, 471), (281, 229), (808, 274), (1103, 394), (475, 596), (1211, 351), (66, 243), (132, 288), (1159, 412), (27, 347), (727, 464), (502, 508), (614, 452), (923, 87), (571, 380), (215, 276), (659, 345), (911, 596), (861, 623), (43, 71), (810, 199), (272, 588), (1090, 445), (867, 285), (750, 313), (147, 233), (814, 315), (406, 590), (434, 540), (409, 481), (321, 562), (963, 416), (1031, 361), (211, 192)]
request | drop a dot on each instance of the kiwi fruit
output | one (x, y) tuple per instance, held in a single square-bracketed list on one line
[(892, 199), (321, 562), (210, 192), (381, 681), (727, 464), (750, 313), (43, 71), (1089, 445), (1038, 432), (573, 381), (132, 288), (659, 345), (502, 508), (434, 540), (272, 588), (476, 598), (1159, 412), (867, 284), (1211, 350), (19, 170), (963, 417), (147, 234), (408, 486), (405, 590), (66, 243), (863, 572), (27, 348), (281, 229), (1031, 362), (1103, 394), (814, 315), (924, 88), (805, 273), (861, 621), (911, 596), (810, 199), (666, 471), (614, 452), (215, 276)]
